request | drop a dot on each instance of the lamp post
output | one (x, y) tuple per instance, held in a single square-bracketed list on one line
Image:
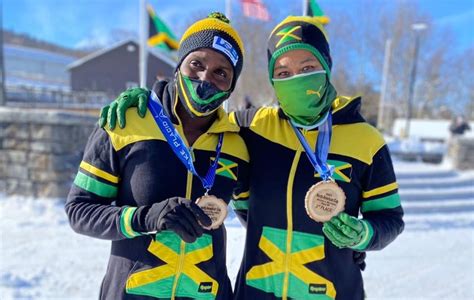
[(2, 62), (143, 52), (228, 12), (417, 28), (383, 88), (305, 7)]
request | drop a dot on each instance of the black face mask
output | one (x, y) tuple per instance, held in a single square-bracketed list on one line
[(205, 89), (200, 98)]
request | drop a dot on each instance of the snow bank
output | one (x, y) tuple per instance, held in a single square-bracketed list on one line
[(42, 258)]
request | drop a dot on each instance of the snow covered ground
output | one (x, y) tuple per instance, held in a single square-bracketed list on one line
[(41, 258)]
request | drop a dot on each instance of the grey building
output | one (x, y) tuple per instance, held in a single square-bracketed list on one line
[(115, 69)]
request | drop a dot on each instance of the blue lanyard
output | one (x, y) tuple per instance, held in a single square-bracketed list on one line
[(319, 158), (177, 144)]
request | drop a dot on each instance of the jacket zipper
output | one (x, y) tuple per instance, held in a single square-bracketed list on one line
[(289, 218), (182, 246), (189, 186)]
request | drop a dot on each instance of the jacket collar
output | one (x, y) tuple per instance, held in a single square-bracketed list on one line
[(222, 124), (346, 110)]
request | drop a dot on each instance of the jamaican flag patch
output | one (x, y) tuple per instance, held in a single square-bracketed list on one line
[(226, 168), (342, 170)]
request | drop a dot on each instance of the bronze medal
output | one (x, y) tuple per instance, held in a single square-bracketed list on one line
[(324, 200), (215, 208)]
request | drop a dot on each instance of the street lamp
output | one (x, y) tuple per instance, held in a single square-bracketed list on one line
[(383, 86), (417, 28), (3, 99)]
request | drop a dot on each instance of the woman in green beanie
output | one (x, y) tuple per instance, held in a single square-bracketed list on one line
[(321, 165)]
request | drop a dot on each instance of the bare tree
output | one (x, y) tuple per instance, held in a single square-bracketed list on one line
[(357, 39), (254, 83), (357, 44), (461, 82)]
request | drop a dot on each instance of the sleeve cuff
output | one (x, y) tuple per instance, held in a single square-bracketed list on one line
[(126, 218), (367, 238), (239, 204)]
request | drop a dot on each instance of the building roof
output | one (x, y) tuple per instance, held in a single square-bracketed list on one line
[(13, 81), (36, 54), (155, 52)]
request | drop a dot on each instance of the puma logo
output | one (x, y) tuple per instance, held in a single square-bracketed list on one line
[(313, 92)]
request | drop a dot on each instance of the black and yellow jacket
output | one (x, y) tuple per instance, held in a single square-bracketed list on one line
[(286, 254), (129, 169)]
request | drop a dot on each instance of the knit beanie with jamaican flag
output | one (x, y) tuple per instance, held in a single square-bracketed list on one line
[(216, 33), (299, 32)]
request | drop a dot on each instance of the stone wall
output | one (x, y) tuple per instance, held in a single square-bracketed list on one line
[(40, 150), (461, 153)]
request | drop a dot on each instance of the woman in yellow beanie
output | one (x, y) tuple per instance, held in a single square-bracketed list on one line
[(137, 186)]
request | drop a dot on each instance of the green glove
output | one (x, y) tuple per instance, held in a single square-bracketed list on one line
[(134, 97), (346, 231)]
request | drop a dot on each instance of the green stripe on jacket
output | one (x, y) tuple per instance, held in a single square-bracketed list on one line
[(95, 186)]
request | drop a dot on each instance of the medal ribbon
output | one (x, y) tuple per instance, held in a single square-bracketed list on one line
[(177, 144), (319, 158)]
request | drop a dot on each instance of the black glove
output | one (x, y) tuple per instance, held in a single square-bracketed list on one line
[(359, 258), (180, 215)]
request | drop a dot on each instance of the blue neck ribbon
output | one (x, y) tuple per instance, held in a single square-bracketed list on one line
[(177, 144), (319, 158)]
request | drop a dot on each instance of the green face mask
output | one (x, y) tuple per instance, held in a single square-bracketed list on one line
[(305, 98)]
